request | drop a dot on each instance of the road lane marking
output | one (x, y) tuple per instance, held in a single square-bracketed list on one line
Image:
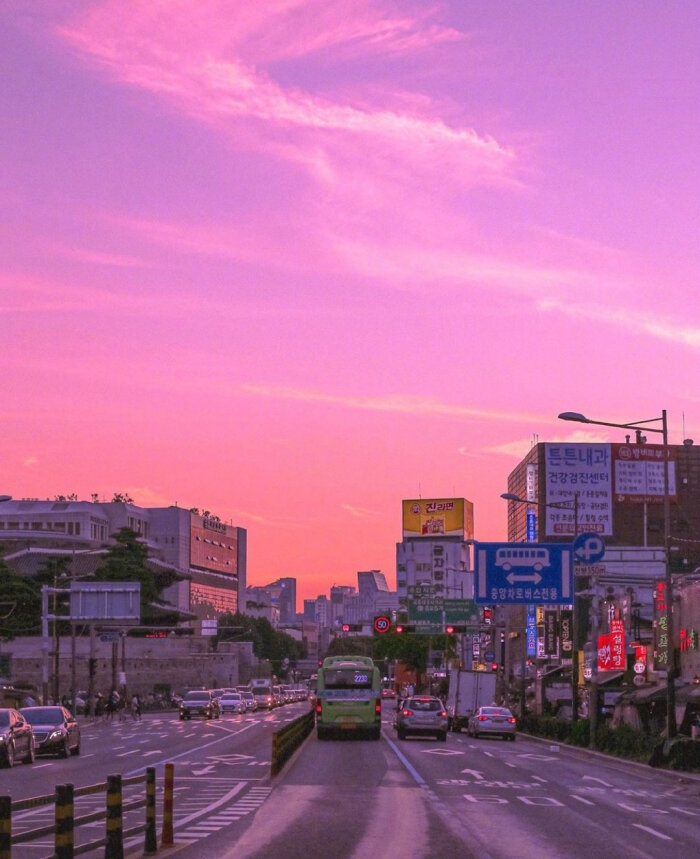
[(683, 811), (599, 780), (653, 832), (581, 799)]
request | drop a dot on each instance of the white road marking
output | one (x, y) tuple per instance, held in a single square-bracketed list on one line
[(683, 811), (653, 832), (599, 780), (581, 799)]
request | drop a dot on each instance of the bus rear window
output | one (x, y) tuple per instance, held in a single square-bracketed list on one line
[(347, 678)]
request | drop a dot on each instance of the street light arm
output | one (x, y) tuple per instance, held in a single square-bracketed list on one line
[(582, 419)]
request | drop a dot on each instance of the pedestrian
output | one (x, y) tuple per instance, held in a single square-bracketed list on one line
[(136, 707), (99, 706)]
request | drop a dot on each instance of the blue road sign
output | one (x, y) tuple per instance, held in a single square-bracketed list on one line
[(522, 573), (588, 548)]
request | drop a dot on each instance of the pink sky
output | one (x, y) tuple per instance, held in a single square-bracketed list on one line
[(293, 261)]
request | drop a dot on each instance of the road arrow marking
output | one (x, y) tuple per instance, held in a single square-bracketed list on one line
[(535, 578), (473, 773), (440, 752), (204, 771)]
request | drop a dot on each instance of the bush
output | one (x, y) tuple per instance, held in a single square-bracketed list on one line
[(683, 754), (624, 741)]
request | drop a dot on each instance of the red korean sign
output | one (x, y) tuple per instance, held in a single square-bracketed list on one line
[(617, 645), (611, 648)]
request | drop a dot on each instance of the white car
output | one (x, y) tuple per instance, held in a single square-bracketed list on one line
[(249, 701), (232, 702)]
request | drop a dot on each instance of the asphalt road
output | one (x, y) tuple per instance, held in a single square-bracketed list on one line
[(358, 798)]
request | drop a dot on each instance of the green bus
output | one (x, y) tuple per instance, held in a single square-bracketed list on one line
[(348, 697)]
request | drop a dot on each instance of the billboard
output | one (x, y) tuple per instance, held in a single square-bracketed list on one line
[(213, 545), (585, 469), (639, 473), (438, 517)]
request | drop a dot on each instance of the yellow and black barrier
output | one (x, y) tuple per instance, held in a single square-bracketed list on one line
[(288, 739), (65, 821)]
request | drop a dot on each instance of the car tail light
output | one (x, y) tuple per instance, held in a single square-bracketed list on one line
[(407, 712), (512, 720), (483, 718), (443, 713)]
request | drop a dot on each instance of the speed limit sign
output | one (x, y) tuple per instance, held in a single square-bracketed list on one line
[(382, 624)]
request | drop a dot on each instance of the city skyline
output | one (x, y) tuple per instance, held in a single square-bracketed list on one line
[(296, 262)]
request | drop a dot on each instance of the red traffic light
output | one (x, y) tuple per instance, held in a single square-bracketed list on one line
[(346, 627), (450, 630), (494, 666), (399, 628)]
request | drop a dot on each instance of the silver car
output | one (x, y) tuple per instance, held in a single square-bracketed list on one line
[(232, 702), (422, 714), (492, 720)]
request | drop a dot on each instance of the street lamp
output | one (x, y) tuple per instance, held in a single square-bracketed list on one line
[(511, 496), (638, 427)]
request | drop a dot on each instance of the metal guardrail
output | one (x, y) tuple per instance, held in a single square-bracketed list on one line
[(63, 828), (288, 739)]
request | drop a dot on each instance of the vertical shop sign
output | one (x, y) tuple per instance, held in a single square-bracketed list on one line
[(661, 642)]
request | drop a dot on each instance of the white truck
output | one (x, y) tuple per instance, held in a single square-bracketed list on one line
[(468, 690)]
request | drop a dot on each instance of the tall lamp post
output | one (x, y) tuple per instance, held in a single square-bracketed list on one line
[(638, 426), (566, 505)]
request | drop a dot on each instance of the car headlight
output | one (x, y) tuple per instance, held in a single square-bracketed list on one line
[(56, 735)]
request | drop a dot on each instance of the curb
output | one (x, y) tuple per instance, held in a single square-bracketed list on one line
[(681, 775)]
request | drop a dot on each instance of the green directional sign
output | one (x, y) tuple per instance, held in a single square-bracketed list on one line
[(430, 614)]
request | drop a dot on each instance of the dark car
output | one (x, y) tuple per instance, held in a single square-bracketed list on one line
[(200, 703), (420, 715), (56, 732), (16, 738)]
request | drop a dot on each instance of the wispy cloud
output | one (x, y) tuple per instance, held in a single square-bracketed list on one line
[(519, 448), (660, 328), (218, 73), (398, 404), (361, 512)]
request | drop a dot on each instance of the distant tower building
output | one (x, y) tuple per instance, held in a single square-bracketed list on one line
[(371, 582), (339, 593), (284, 593)]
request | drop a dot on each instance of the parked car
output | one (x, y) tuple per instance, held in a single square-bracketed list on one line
[(420, 715), (200, 703), (16, 738), (232, 702), (250, 703), (492, 720), (56, 731)]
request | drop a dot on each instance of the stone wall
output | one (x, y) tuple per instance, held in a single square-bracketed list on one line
[(149, 664)]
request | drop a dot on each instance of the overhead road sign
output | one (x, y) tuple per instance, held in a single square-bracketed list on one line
[(524, 573)]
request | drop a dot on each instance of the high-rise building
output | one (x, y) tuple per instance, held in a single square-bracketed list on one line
[(371, 582), (283, 592)]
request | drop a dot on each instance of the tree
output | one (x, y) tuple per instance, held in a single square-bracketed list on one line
[(280, 649), (127, 561), (122, 498), (20, 604)]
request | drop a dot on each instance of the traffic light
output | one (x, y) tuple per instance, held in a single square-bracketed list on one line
[(487, 614), (453, 628), (352, 627), (403, 629)]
